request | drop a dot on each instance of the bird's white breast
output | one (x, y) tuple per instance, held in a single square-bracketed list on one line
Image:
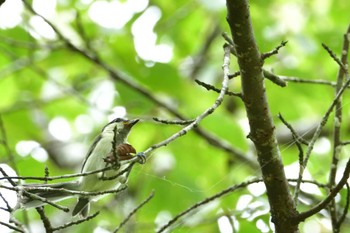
[(94, 182)]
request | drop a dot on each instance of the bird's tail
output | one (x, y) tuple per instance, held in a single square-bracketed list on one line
[(36, 195), (82, 207)]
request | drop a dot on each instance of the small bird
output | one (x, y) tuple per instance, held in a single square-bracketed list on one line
[(109, 149)]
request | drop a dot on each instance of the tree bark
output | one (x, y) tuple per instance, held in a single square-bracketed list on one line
[(262, 129)]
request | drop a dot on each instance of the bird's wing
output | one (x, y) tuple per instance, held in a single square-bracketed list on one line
[(92, 147), (58, 192)]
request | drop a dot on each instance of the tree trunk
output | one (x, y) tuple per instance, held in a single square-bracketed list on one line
[(262, 129)]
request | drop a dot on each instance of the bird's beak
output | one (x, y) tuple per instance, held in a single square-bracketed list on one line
[(131, 123)]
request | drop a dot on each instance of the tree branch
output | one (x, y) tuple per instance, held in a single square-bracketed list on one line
[(134, 211), (337, 143), (211, 87), (207, 112), (323, 204), (12, 227), (207, 200), (76, 222), (45, 220), (319, 129)]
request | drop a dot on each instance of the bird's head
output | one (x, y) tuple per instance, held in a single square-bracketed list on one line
[(121, 127)]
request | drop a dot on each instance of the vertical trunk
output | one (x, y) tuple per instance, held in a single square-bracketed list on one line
[(262, 129)]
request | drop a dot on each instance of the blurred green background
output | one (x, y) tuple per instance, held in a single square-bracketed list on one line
[(54, 102)]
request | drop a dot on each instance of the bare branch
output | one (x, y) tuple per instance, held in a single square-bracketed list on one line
[(68, 191), (335, 58), (338, 116), (274, 51), (207, 112), (318, 132), (212, 88), (45, 220), (76, 222), (267, 74), (308, 81), (207, 200), (44, 200), (274, 78), (8, 150), (134, 211), (8, 207), (345, 210), (173, 122), (323, 204), (345, 143), (294, 133), (228, 39), (200, 60), (70, 175), (12, 227), (235, 74)]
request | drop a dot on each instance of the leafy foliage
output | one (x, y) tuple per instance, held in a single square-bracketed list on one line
[(42, 79)]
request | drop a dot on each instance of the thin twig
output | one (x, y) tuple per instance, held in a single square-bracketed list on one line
[(292, 130), (344, 143), (227, 38), (298, 140), (230, 42), (21, 191), (337, 144), (8, 207), (68, 175), (7, 147), (308, 81), (267, 74), (314, 182), (273, 52), (19, 224), (173, 122), (335, 58), (274, 78), (81, 31), (27, 192), (134, 211), (323, 204), (12, 227), (207, 112), (47, 172), (200, 60), (345, 210), (226, 191), (45, 200), (235, 74), (76, 222), (7, 177), (45, 220), (125, 170), (72, 192), (207, 200), (212, 88), (317, 134)]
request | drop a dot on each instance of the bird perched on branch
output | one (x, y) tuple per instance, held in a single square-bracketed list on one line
[(110, 154)]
